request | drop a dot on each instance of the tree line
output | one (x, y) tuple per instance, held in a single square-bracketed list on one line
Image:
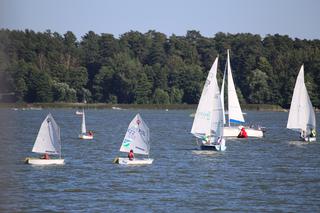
[(151, 68)]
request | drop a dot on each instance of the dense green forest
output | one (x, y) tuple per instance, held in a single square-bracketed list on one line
[(151, 67)]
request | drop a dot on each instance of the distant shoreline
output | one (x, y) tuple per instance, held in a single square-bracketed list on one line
[(253, 107)]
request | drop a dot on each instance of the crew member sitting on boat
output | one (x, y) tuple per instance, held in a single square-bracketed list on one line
[(206, 139), (131, 155), (90, 133), (243, 133), (303, 134), (45, 157), (313, 133)]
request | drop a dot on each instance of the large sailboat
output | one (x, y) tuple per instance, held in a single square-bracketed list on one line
[(48, 142), (301, 115), (208, 121), (137, 140), (235, 115)]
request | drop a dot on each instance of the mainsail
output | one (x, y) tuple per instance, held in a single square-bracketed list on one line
[(137, 137), (301, 115), (235, 113), (208, 120), (83, 124), (48, 139)]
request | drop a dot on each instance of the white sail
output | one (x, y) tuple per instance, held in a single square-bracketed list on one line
[(203, 118), (217, 121), (222, 94), (137, 137), (83, 124), (48, 139), (235, 113), (301, 115)]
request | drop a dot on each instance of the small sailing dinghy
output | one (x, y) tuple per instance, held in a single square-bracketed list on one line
[(235, 114), (301, 115), (87, 135), (48, 142), (137, 139), (208, 120)]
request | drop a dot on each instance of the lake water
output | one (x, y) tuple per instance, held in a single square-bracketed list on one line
[(274, 174)]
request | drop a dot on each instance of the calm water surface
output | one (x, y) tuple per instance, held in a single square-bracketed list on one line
[(273, 174)]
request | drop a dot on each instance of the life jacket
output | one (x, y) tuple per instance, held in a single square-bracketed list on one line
[(130, 155), (243, 133)]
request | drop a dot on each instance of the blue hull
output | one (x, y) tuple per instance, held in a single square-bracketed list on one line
[(213, 148)]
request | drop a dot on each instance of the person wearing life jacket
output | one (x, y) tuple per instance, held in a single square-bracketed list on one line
[(313, 133), (206, 139), (243, 133), (131, 155)]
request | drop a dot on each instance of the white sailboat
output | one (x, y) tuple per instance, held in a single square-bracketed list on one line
[(301, 115), (137, 139), (208, 120), (48, 142), (84, 134), (235, 114)]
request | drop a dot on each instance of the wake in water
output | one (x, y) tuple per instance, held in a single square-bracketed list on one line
[(205, 152), (300, 144)]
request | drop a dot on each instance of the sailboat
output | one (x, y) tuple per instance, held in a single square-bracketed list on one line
[(301, 115), (47, 142), (84, 134), (235, 114), (207, 125), (136, 139)]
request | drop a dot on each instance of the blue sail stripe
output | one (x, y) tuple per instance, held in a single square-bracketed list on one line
[(236, 121)]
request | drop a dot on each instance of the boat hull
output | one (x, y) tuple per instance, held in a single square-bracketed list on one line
[(86, 137), (37, 161), (233, 131), (126, 161), (310, 139), (219, 147)]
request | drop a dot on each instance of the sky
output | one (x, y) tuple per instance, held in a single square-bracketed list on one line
[(296, 18)]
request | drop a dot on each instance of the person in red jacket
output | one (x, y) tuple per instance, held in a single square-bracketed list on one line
[(45, 156), (131, 155), (243, 133)]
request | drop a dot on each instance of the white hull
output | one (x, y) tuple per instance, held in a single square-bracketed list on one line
[(79, 113), (37, 161), (86, 137), (309, 139), (233, 131), (135, 161)]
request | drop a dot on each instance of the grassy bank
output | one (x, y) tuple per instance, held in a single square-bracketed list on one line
[(256, 107)]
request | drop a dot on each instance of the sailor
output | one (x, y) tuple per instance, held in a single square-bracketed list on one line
[(303, 134), (45, 156), (131, 155), (206, 139), (313, 133), (243, 133)]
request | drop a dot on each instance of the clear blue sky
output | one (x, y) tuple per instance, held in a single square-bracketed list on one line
[(296, 18)]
